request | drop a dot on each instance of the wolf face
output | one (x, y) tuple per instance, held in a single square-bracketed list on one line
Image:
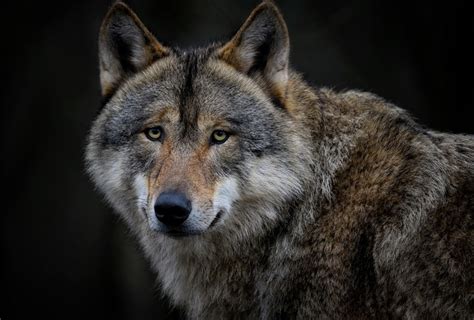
[(195, 142)]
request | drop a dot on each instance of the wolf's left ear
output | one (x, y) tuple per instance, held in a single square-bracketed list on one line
[(125, 47), (261, 48)]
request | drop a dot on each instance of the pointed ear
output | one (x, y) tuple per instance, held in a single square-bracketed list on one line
[(261, 46), (125, 47)]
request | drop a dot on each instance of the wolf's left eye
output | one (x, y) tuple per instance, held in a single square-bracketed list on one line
[(219, 136), (154, 134)]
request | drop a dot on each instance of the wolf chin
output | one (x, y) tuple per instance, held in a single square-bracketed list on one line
[(256, 196)]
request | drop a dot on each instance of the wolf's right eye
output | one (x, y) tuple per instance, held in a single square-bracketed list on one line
[(154, 134)]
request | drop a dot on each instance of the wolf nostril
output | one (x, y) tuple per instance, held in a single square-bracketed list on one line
[(172, 208)]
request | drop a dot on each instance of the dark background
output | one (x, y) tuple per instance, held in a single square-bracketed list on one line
[(63, 252)]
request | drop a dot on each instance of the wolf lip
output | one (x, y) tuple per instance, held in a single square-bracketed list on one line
[(216, 219), (180, 234)]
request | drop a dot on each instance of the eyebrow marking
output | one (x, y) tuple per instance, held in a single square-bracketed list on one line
[(164, 113), (234, 121)]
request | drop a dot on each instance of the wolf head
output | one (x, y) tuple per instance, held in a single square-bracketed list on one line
[(197, 142)]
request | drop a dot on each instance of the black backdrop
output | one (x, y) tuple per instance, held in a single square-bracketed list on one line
[(63, 253)]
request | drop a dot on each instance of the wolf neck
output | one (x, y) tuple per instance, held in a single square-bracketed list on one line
[(330, 128), (191, 273)]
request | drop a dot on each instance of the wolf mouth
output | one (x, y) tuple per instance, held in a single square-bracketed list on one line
[(216, 219), (176, 233), (181, 234)]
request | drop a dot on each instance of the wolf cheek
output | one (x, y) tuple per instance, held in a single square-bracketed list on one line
[(227, 192)]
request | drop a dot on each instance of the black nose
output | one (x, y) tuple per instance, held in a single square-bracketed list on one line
[(172, 208)]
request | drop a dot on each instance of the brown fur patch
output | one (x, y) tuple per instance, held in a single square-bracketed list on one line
[(175, 171)]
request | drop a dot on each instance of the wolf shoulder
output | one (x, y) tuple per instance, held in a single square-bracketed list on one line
[(424, 243), (419, 185)]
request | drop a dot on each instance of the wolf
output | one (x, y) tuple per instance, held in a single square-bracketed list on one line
[(256, 196)]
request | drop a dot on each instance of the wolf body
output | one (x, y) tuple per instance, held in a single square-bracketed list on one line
[(315, 204)]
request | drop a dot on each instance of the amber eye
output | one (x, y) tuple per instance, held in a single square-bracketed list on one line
[(219, 136), (154, 134)]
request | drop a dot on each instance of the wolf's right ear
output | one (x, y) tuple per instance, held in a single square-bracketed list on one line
[(125, 47)]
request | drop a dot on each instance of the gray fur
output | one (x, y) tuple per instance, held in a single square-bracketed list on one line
[(334, 205)]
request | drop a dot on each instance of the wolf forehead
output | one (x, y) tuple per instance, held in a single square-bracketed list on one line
[(194, 84)]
